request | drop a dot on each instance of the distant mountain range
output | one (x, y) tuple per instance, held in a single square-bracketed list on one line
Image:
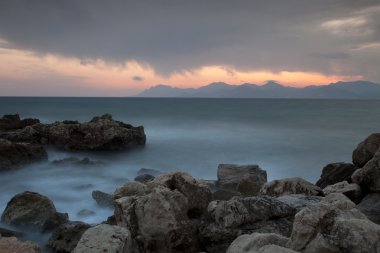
[(339, 90)]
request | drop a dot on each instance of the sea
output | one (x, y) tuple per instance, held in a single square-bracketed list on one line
[(285, 137)]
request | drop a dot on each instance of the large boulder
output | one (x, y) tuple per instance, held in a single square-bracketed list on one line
[(13, 122), (15, 155), (336, 172), (299, 201), (131, 189), (105, 238), (366, 150), (352, 191), (66, 237), (370, 206), (368, 177), (289, 186), (252, 243), (28, 208), (334, 225), (247, 179), (12, 245)]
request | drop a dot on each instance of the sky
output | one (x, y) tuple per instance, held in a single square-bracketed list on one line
[(121, 47)]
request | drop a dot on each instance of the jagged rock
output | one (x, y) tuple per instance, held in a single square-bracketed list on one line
[(352, 191), (130, 189), (299, 201), (253, 242), (10, 233), (15, 155), (247, 179), (225, 195), (336, 172), (289, 186), (67, 236), (144, 178), (74, 161), (13, 122), (103, 198), (28, 208), (370, 206), (12, 245), (366, 150), (368, 177), (334, 225), (105, 238)]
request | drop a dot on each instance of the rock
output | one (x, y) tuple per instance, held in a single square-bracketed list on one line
[(247, 179), (336, 172), (153, 172), (55, 221), (368, 177), (103, 199), (352, 191), (15, 155), (275, 249), (144, 178), (299, 201), (12, 245), (370, 206), (289, 186), (74, 161), (111, 220), (4, 232), (225, 195), (85, 213), (253, 242), (67, 236), (366, 150), (334, 225), (105, 238), (13, 122), (130, 189), (28, 208)]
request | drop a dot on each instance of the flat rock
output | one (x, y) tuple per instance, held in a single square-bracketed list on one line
[(299, 201), (289, 186), (352, 191), (366, 150), (77, 162), (336, 172), (370, 206), (12, 245)]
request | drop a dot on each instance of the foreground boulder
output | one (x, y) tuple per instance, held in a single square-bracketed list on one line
[(105, 238), (15, 155), (351, 191), (368, 177), (13, 122), (334, 225), (336, 172), (366, 150), (253, 243), (289, 186), (370, 206), (246, 180), (12, 245)]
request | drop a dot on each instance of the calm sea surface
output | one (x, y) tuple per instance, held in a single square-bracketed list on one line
[(287, 138)]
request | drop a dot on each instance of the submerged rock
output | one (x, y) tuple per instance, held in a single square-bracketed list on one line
[(366, 150), (336, 172), (103, 198), (74, 161), (289, 186), (12, 245), (370, 206)]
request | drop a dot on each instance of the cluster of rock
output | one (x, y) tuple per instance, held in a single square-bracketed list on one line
[(239, 212)]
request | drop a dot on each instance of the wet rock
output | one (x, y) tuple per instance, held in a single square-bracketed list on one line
[(254, 242), (85, 213), (352, 191), (366, 150), (74, 161), (104, 238), (289, 186), (103, 198), (368, 177), (299, 201), (336, 172), (130, 189), (247, 179), (144, 178), (67, 236), (28, 208), (13, 122), (55, 221), (15, 155), (12, 245), (370, 206), (10, 233)]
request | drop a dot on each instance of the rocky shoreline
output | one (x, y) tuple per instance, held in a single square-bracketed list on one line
[(173, 212)]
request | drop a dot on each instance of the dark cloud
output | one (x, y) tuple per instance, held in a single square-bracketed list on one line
[(180, 34), (137, 78)]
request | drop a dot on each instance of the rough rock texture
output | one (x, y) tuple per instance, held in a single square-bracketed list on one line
[(299, 201), (10, 233), (103, 198), (352, 191), (75, 161), (249, 243), (336, 172), (247, 179), (14, 155), (144, 178), (28, 208), (130, 189), (368, 177), (370, 206), (366, 150), (12, 245), (289, 186), (225, 195), (13, 122), (334, 225), (67, 236), (104, 238), (101, 133)]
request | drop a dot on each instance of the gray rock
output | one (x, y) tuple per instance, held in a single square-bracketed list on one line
[(352, 191), (77, 162), (225, 195), (368, 177), (55, 221), (366, 150), (336, 172), (13, 122), (85, 213), (275, 249), (103, 198), (130, 189), (289, 186), (5, 232), (249, 243), (370, 206), (12, 245), (247, 179), (105, 238), (144, 178), (67, 236), (299, 201)]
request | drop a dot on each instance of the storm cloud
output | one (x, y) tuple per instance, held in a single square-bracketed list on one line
[(327, 36)]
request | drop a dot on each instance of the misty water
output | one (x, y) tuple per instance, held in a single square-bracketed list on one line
[(285, 137)]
